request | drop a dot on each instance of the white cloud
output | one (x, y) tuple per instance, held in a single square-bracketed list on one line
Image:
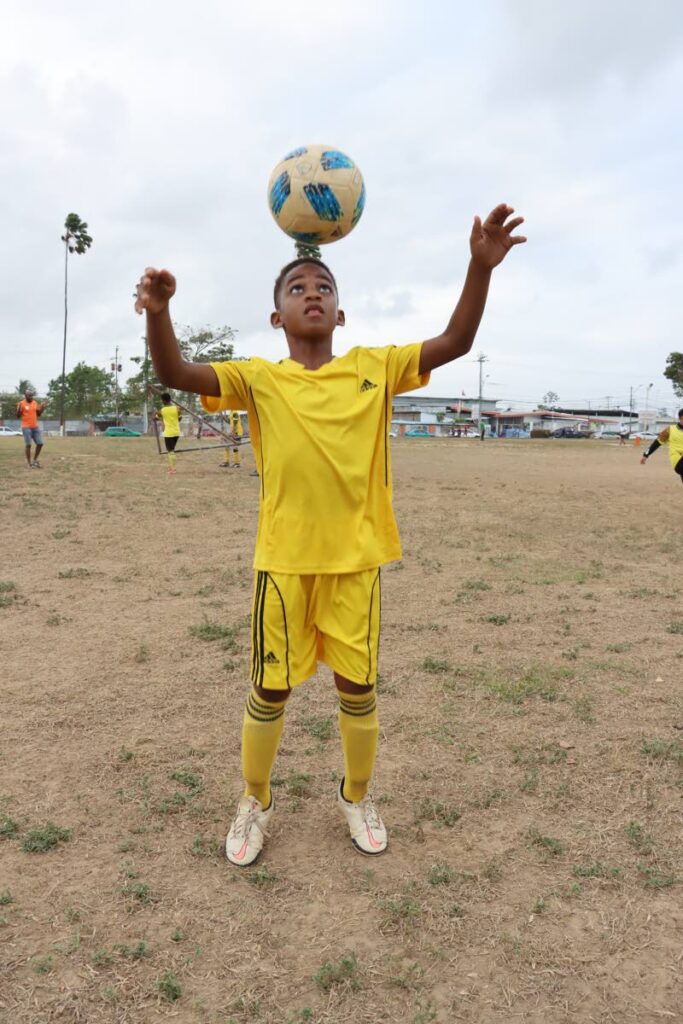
[(159, 124)]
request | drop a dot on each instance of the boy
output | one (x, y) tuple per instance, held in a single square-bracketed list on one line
[(237, 430), (319, 428), (29, 411), (170, 415), (673, 436)]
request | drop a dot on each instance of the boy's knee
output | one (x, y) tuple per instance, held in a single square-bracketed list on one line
[(271, 696), (346, 686)]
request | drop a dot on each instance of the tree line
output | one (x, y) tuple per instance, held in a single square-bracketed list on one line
[(91, 390)]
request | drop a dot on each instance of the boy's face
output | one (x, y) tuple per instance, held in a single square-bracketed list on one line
[(307, 304)]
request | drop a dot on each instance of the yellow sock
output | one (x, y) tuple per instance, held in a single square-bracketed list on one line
[(261, 731), (236, 456), (359, 728), (171, 460), (226, 456)]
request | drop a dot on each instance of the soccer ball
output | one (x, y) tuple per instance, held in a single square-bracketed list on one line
[(316, 195)]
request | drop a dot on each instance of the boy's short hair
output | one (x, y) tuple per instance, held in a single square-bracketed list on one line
[(166, 397), (298, 263)]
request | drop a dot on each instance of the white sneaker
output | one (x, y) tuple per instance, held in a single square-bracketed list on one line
[(247, 832), (368, 833)]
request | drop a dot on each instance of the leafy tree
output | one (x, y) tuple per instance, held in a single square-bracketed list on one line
[(86, 391), (550, 400), (674, 372), (8, 405), (10, 399), (206, 345), (76, 239), (133, 398), (203, 345)]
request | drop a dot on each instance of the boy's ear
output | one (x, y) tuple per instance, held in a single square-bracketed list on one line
[(276, 319), (341, 318)]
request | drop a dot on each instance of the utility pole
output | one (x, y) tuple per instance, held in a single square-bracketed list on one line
[(116, 368), (145, 421), (481, 359)]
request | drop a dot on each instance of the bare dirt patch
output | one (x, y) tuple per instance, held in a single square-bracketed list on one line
[(530, 766)]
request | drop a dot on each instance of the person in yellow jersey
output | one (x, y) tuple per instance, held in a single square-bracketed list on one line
[(319, 427), (237, 430), (673, 437), (170, 415)]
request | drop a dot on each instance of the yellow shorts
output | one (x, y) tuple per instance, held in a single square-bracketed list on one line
[(298, 621)]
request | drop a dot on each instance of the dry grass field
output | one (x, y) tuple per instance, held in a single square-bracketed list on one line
[(530, 769)]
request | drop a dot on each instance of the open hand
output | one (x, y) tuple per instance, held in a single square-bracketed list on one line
[(154, 290), (491, 241)]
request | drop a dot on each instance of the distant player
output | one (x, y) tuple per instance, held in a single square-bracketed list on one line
[(29, 412), (673, 436), (170, 415), (237, 430), (319, 428)]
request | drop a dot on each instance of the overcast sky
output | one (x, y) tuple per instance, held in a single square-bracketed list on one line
[(159, 123)]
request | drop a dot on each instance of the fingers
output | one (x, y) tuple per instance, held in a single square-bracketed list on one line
[(514, 223), (517, 239), (499, 214), (153, 290), (144, 288)]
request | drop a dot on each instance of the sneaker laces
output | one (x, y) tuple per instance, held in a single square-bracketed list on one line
[(245, 820), (370, 812)]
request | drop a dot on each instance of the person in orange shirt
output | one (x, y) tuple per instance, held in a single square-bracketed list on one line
[(28, 411)]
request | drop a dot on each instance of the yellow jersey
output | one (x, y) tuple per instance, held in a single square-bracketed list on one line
[(235, 424), (169, 414), (320, 438), (673, 436)]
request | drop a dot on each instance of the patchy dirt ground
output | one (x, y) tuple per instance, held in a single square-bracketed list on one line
[(530, 765)]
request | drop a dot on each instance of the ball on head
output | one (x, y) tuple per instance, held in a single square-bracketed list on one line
[(316, 195)]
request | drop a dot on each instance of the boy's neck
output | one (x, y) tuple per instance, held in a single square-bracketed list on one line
[(311, 354)]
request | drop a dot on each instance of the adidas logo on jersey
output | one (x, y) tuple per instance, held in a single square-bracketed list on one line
[(270, 659), (367, 385)]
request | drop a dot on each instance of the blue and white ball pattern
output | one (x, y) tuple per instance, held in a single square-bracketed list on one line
[(316, 194)]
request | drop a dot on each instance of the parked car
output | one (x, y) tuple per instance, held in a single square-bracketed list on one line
[(570, 432), (418, 433), (8, 432), (121, 432)]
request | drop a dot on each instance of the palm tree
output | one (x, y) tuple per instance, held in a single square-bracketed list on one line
[(76, 239)]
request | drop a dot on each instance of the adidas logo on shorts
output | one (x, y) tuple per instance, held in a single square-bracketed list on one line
[(367, 385), (270, 659)]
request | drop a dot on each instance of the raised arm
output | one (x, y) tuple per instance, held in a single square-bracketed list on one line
[(661, 439), (490, 242), (154, 292)]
